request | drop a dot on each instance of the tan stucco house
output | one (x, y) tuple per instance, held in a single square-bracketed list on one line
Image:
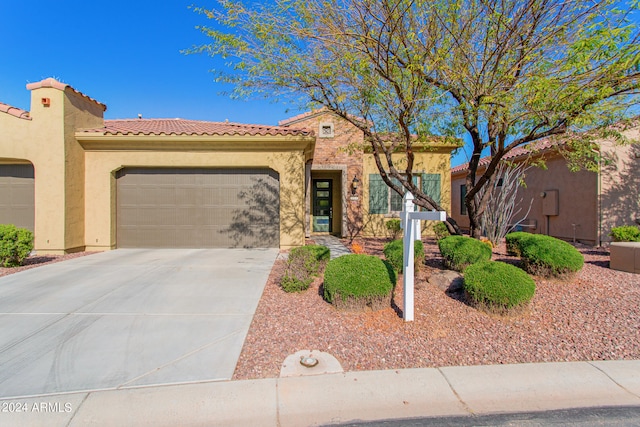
[(581, 206), (81, 182)]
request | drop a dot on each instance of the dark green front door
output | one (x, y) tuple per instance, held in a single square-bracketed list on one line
[(322, 206)]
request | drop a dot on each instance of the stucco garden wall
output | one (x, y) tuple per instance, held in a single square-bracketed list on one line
[(620, 184)]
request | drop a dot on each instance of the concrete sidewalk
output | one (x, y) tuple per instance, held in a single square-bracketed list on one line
[(337, 398)]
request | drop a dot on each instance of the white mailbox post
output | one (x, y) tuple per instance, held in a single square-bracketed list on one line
[(410, 222)]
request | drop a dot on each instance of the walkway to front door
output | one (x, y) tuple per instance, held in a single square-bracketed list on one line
[(333, 243)]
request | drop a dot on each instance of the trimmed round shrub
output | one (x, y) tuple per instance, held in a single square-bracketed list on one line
[(359, 282), (459, 252), (547, 256), (304, 263), (514, 240), (15, 245), (394, 253), (497, 287)]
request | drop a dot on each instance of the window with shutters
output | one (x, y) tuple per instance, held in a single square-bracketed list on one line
[(384, 200)]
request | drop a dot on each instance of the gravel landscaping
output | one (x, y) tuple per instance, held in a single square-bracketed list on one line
[(593, 316)]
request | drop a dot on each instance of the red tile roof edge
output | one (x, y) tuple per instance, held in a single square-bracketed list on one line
[(150, 127), (55, 84), (540, 146), (308, 114), (14, 111), (546, 144)]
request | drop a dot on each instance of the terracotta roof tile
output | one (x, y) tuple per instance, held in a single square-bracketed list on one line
[(14, 111), (308, 114), (53, 83), (190, 127), (525, 150), (547, 144)]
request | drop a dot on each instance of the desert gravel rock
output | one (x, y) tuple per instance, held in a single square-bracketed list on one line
[(594, 316)]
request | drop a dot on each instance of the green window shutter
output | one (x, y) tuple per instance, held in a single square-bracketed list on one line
[(378, 195), (431, 185)]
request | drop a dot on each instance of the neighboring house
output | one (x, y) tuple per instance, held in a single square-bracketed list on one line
[(581, 206), (85, 183)]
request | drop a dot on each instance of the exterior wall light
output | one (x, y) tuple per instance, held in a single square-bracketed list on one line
[(354, 185)]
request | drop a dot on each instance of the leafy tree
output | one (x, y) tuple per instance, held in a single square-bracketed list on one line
[(500, 73)]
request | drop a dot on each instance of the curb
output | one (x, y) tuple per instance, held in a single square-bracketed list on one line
[(342, 397)]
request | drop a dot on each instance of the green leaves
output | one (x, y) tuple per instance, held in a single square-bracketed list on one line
[(502, 74)]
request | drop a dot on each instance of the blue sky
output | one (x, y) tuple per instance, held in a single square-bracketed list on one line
[(125, 54)]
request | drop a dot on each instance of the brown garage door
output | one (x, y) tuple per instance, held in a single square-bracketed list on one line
[(17, 195), (197, 208)]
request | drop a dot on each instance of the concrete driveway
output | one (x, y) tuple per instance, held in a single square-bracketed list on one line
[(128, 317)]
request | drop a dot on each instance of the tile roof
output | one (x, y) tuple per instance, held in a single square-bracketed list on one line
[(313, 113), (521, 151), (14, 111), (547, 144), (53, 83), (302, 116), (190, 127)]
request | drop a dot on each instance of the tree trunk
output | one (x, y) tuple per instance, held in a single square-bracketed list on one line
[(452, 226), (474, 222)]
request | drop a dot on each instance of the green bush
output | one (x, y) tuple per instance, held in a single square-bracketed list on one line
[(440, 230), (393, 228), (460, 251), (294, 281), (15, 245), (497, 286), (394, 252), (303, 265), (547, 256), (320, 252), (514, 240), (358, 281), (626, 233)]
